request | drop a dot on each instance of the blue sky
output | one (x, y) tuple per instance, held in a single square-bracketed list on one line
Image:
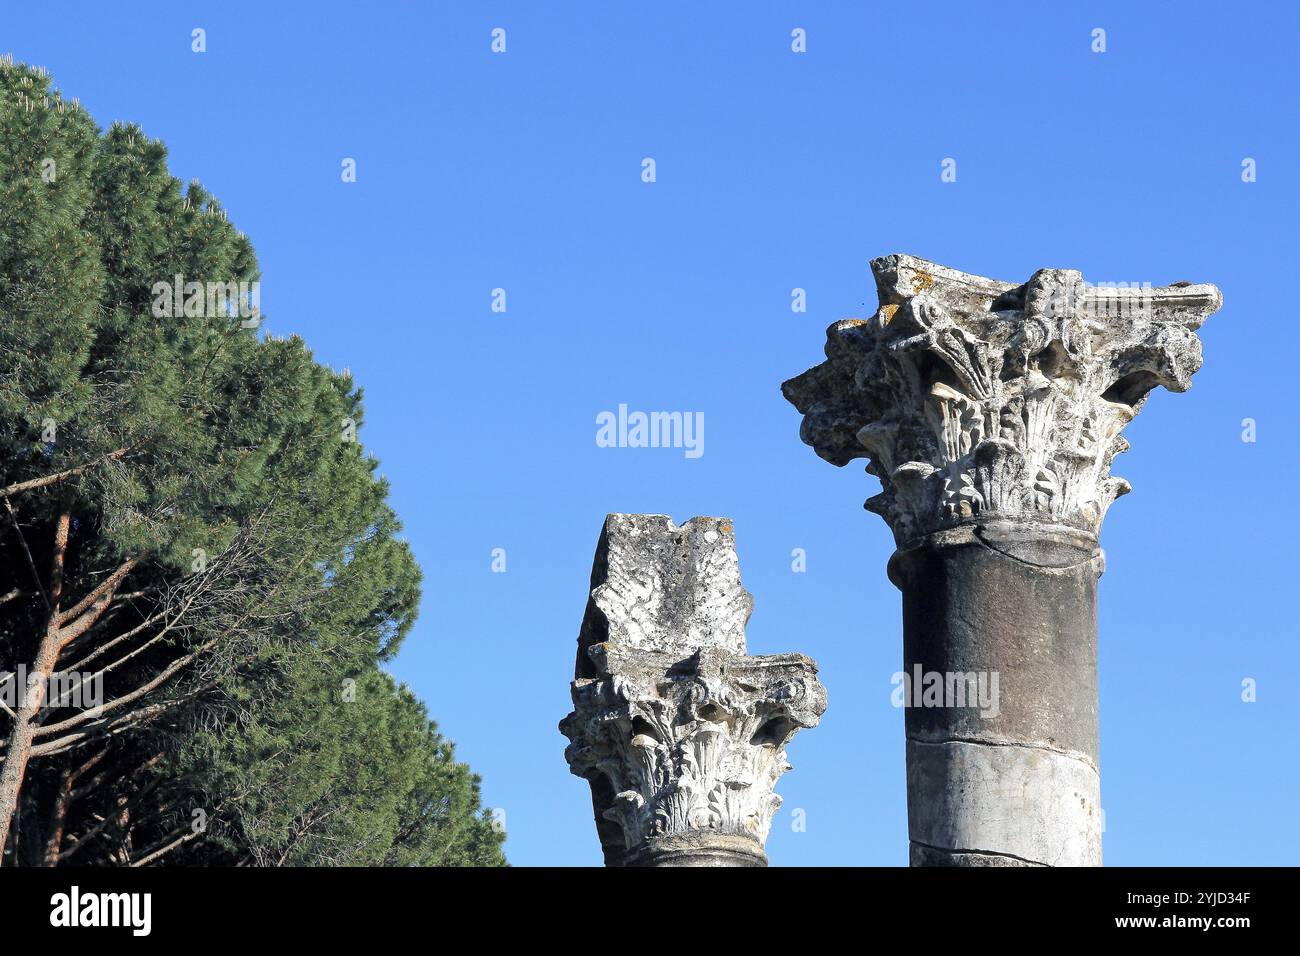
[(775, 170)]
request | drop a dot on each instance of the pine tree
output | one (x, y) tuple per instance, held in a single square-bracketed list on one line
[(187, 519)]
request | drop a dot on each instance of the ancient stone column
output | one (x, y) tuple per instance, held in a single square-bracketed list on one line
[(991, 412), (680, 734)]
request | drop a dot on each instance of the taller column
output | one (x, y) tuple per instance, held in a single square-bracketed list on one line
[(991, 413)]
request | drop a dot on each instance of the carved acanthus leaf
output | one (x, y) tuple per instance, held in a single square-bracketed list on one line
[(690, 745)]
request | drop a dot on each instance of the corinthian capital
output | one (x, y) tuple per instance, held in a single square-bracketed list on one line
[(976, 399), (680, 734)]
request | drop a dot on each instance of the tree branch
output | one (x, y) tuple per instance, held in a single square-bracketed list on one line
[(36, 576), (58, 476)]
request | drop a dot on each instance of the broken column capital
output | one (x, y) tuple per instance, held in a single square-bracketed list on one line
[(979, 400), (680, 734)]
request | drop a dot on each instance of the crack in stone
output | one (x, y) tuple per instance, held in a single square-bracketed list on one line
[(1072, 754), (972, 852), (1059, 569)]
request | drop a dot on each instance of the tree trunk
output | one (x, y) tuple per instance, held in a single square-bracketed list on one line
[(58, 817), (47, 656), (24, 730)]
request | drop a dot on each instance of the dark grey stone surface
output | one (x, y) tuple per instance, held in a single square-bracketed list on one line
[(1018, 603)]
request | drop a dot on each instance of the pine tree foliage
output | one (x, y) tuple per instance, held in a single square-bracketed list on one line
[(186, 517)]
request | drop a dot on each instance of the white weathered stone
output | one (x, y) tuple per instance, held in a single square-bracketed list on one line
[(1033, 805), (681, 735)]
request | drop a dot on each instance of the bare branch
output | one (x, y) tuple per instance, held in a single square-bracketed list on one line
[(97, 600), (47, 480), (157, 851), (27, 551)]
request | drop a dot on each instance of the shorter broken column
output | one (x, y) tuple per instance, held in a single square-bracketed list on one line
[(680, 734)]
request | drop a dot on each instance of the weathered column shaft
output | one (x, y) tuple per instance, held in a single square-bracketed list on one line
[(680, 734), (991, 414), (1018, 609)]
